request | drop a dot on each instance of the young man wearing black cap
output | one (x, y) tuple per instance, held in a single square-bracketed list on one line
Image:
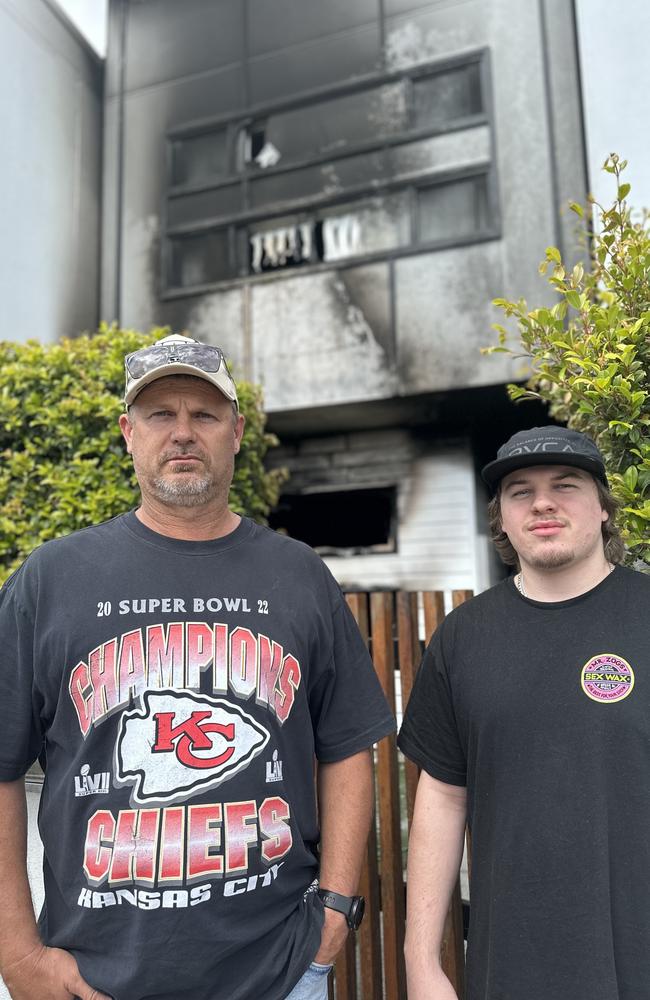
[(530, 719), (179, 670)]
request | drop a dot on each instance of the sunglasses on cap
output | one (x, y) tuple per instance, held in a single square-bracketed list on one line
[(177, 357), (201, 356)]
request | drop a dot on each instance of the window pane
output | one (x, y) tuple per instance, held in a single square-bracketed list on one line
[(418, 157), (200, 158), (446, 96), (365, 227), (199, 260), (338, 233), (324, 180), (334, 125), (287, 187), (358, 170), (350, 520), (204, 205), (453, 210), (277, 244)]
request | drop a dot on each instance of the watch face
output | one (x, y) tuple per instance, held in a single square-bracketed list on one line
[(357, 911)]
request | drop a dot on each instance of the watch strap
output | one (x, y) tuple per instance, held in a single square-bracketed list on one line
[(351, 907), (336, 901)]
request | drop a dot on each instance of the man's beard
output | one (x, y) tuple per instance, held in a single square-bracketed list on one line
[(183, 493), (554, 559), (177, 491)]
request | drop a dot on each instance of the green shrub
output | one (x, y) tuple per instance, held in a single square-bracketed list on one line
[(64, 465), (590, 352)]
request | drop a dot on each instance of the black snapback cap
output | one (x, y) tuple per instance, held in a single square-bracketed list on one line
[(545, 446)]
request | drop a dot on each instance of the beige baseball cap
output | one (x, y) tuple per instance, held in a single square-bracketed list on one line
[(177, 355)]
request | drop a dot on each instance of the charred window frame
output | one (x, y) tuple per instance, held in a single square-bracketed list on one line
[(211, 223), (338, 521)]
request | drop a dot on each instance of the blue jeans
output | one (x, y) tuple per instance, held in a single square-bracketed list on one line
[(313, 984)]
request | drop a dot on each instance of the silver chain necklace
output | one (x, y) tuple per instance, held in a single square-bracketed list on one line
[(519, 580)]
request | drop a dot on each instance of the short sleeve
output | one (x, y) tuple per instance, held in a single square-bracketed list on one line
[(21, 740), (348, 708), (429, 733)]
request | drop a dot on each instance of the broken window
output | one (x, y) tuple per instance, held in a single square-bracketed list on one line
[(327, 126), (345, 231), (286, 242), (367, 226), (342, 521), (332, 178), (258, 150)]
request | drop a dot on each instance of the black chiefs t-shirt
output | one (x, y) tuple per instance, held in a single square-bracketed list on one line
[(177, 693)]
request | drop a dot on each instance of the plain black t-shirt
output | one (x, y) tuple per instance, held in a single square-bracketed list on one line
[(543, 711)]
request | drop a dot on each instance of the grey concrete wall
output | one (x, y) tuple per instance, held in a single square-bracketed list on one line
[(51, 98), (349, 333)]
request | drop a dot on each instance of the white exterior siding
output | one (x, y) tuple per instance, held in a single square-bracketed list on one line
[(437, 543)]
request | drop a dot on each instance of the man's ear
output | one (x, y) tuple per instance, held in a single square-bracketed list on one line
[(127, 430), (239, 431)]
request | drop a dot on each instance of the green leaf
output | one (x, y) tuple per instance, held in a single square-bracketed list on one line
[(631, 477), (552, 253), (623, 191)]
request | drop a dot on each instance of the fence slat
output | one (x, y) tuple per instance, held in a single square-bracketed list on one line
[(409, 655), (369, 934), (360, 972), (434, 611), (460, 596), (452, 952), (392, 878), (346, 973)]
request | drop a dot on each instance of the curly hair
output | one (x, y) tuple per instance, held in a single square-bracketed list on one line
[(612, 540)]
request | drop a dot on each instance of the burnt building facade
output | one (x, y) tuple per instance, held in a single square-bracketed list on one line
[(334, 192)]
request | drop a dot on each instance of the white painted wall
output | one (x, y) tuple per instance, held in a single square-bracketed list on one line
[(91, 18), (50, 101)]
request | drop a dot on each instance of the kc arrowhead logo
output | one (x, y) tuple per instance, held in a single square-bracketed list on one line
[(178, 743)]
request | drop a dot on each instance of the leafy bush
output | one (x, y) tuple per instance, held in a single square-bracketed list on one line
[(590, 352), (64, 465)]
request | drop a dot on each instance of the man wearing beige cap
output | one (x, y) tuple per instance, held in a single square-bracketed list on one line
[(181, 672), (530, 719)]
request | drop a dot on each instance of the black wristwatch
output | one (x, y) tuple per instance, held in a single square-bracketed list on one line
[(352, 907)]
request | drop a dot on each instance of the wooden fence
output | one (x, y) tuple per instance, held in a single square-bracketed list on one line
[(371, 967)]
